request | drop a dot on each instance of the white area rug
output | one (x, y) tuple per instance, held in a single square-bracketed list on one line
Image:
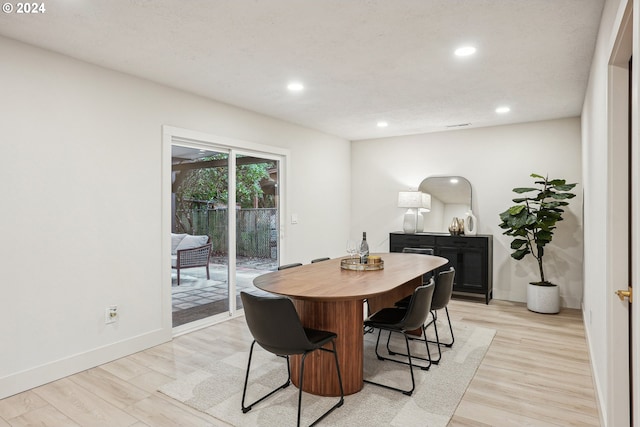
[(217, 389)]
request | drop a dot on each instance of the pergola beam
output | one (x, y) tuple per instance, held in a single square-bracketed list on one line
[(220, 163)]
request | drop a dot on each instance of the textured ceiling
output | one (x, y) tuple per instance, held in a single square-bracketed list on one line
[(361, 61)]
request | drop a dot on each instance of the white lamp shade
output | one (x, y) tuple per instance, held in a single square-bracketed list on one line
[(426, 202), (409, 199)]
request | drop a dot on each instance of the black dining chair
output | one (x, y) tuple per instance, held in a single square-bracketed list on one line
[(276, 327), (441, 297), (284, 267), (404, 320), (313, 261)]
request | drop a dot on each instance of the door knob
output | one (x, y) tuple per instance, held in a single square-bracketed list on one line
[(625, 294)]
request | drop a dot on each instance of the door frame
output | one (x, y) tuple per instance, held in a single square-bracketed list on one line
[(190, 138), (623, 214), (618, 402), (635, 197)]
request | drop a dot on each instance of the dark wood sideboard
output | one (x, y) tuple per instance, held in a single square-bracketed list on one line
[(471, 256)]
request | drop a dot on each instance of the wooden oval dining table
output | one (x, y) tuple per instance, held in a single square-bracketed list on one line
[(330, 298)]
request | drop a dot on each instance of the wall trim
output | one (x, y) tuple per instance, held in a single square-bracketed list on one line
[(43, 374), (596, 383)]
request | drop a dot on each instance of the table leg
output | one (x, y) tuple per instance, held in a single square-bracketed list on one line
[(345, 319)]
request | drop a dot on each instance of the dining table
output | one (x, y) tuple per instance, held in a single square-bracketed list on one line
[(329, 297)]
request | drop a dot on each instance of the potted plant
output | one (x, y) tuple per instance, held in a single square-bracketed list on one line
[(531, 222)]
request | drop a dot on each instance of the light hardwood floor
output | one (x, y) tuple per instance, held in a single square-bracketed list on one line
[(536, 373)]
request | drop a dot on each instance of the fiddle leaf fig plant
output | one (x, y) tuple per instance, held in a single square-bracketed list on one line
[(533, 219)]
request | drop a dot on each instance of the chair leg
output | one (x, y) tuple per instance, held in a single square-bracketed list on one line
[(395, 353), (437, 342), (367, 329), (453, 339), (337, 405), (178, 274), (247, 408), (435, 317), (304, 356), (413, 382), (207, 266)]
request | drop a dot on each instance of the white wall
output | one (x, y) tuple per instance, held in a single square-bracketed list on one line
[(494, 160), (80, 166)]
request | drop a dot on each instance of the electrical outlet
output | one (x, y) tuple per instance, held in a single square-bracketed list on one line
[(111, 314)]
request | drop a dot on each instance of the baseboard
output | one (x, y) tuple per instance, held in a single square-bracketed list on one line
[(596, 381), (43, 374)]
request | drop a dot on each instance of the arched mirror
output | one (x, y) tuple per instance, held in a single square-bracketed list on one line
[(450, 197)]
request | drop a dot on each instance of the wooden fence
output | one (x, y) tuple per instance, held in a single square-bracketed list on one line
[(256, 229)]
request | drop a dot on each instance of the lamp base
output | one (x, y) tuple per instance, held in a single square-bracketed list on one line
[(420, 223), (409, 223)]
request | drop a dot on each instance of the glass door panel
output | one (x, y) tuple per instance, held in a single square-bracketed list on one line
[(257, 220), (199, 196)]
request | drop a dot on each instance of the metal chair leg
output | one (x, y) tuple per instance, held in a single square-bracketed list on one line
[(247, 408), (341, 401), (413, 382), (435, 317), (337, 405), (453, 339), (396, 353)]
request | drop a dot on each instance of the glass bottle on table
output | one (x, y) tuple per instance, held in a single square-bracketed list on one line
[(364, 249)]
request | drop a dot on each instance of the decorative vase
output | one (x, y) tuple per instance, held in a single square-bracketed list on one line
[(456, 227), (543, 298), (470, 224)]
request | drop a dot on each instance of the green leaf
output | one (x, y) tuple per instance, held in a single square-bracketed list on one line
[(515, 210), (533, 175), (521, 190), (561, 196), (518, 243), (522, 199), (556, 182), (565, 187), (519, 254)]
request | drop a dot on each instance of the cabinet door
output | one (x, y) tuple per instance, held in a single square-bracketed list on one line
[(452, 254), (473, 275), (468, 263)]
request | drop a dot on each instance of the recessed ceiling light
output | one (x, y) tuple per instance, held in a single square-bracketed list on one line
[(383, 124), (295, 86), (465, 51), (453, 180), (502, 110)]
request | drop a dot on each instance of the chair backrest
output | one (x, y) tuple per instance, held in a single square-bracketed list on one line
[(423, 251), (419, 307), (320, 259), (444, 289), (284, 267), (275, 325)]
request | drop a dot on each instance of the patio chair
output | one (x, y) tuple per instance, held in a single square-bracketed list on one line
[(190, 252)]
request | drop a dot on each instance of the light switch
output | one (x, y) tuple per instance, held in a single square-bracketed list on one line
[(294, 218)]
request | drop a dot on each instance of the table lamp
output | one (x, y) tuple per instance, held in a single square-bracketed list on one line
[(414, 201)]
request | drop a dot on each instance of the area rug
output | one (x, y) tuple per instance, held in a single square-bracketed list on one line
[(217, 388)]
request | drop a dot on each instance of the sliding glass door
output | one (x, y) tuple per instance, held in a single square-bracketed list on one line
[(236, 215)]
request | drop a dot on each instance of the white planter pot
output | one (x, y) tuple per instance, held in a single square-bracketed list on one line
[(543, 299)]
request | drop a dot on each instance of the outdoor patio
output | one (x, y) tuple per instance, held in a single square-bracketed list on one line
[(197, 297)]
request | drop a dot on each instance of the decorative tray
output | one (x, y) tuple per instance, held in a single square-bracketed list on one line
[(354, 264)]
